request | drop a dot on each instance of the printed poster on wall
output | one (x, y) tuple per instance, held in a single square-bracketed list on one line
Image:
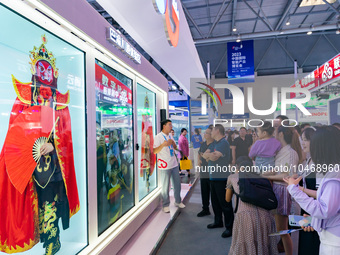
[(43, 206), (241, 62)]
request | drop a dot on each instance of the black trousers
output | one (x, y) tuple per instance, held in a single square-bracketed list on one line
[(205, 193), (220, 206)]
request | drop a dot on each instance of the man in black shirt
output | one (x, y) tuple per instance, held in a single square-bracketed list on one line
[(241, 145), (204, 173), (218, 157)]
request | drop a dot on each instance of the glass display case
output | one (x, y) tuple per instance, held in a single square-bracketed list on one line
[(114, 120), (42, 136), (72, 180), (146, 131)]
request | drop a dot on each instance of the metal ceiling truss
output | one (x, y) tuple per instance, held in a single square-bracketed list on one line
[(256, 7), (264, 21), (219, 16), (234, 16), (331, 6), (192, 21), (285, 13), (274, 28), (311, 50), (257, 18), (267, 50), (269, 17)]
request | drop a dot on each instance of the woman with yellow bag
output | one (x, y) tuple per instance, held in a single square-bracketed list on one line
[(183, 147)]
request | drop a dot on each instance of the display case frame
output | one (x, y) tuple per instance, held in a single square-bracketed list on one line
[(119, 233)]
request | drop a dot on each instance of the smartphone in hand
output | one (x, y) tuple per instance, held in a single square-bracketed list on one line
[(299, 221)]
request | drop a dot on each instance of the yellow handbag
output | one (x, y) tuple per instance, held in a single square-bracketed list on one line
[(185, 163)]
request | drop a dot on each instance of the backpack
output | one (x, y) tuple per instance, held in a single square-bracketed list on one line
[(256, 190)]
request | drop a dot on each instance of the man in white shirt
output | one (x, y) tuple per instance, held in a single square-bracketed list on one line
[(164, 146)]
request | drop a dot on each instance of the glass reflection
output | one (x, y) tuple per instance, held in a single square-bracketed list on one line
[(146, 121), (114, 145)]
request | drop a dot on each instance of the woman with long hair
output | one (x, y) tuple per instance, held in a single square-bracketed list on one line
[(286, 162), (309, 242), (252, 224), (325, 209)]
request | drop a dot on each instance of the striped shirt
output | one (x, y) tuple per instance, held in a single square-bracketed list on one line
[(286, 158)]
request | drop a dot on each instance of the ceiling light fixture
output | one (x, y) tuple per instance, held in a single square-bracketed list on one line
[(234, 29), (310, 30), (288, 20), (238, 38)]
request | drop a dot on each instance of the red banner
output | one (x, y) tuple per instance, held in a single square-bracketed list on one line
[(325, 73), (110, 87)]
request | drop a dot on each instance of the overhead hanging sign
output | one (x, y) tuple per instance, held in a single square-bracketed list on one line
[(241, 62), (118, 40), (322, 75)]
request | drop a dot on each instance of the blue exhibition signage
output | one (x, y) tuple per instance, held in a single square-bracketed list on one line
[(241, 62)]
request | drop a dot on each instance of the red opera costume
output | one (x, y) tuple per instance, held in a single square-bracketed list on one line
[(148, 158), (20, 205)]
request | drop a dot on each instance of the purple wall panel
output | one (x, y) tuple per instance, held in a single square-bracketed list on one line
[(81, 14)]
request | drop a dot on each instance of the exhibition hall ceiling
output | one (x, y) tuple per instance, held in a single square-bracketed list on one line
[(279, 29)]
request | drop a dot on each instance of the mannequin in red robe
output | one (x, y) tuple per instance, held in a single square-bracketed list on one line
[(148, 158), (30, 213)]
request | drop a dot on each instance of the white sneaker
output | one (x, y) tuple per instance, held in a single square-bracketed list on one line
[(166, 209), (180, 205)]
